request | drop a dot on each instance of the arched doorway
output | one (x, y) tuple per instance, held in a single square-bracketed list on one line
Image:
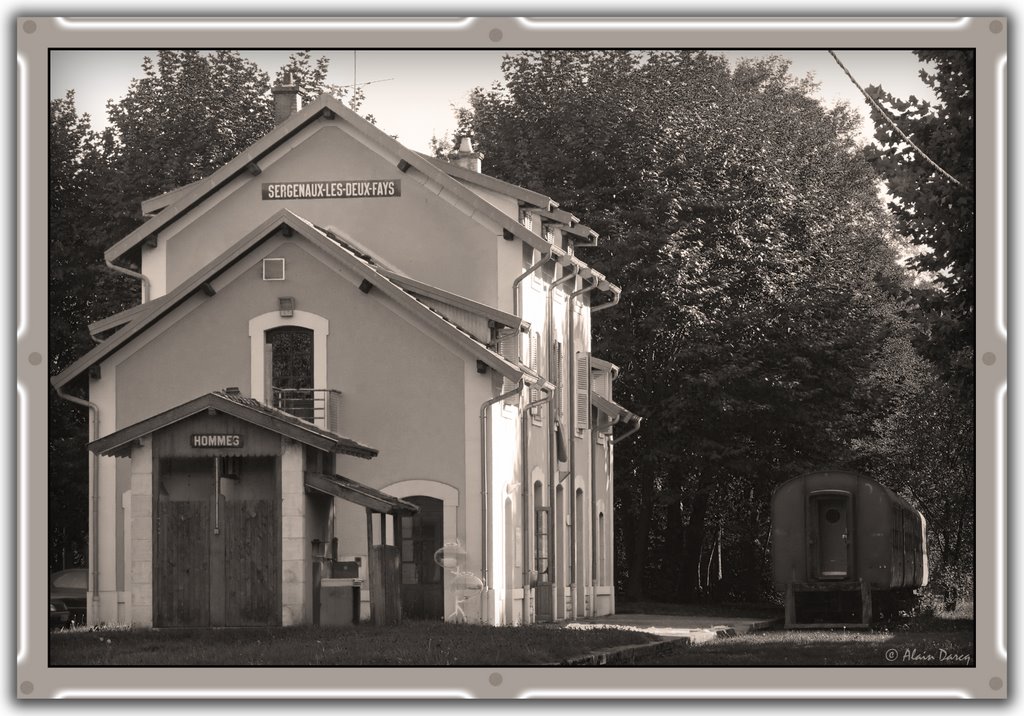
[(421, 535)]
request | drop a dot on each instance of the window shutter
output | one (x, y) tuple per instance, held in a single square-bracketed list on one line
[(535, 411), (508, 346), (582, 391), (563, 389)]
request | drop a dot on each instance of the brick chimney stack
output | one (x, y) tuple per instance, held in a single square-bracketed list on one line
[(465, 157), (286, 98)]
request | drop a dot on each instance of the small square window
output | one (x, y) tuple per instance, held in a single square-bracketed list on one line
[(273, 269)]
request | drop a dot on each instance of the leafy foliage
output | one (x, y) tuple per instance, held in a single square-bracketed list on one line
[(760, 284)]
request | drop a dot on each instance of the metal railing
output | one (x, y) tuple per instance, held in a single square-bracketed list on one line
[(319, 406)]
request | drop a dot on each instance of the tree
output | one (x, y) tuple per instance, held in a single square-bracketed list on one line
[(927, 441), (936, 213), (758, 272)]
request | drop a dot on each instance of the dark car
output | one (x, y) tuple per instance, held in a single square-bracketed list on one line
[(69, 586), (59, 615)]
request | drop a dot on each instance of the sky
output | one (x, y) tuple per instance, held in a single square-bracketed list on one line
[(412, 93)]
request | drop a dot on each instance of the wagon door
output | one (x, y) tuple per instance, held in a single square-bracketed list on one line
[(830, 522)]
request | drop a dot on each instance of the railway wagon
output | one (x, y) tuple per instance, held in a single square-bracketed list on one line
[(841, 544)]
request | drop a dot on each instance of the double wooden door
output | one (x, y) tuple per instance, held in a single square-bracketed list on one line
[(217, 551)]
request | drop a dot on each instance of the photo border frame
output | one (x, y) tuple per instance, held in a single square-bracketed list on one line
[(987, 679)]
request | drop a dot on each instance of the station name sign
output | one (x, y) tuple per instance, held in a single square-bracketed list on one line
[(206, 440), (342, 189)]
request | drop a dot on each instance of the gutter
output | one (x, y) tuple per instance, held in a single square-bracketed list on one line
[(94, 427), (133, 274), (616, 294), (636, 426)]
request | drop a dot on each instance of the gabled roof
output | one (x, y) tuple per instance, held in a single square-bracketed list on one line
[(360, 264), (331, 109), (119, 443), (124, 317), (418, 288), (522, 194)]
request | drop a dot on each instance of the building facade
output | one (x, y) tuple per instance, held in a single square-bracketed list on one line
[(341, 339)]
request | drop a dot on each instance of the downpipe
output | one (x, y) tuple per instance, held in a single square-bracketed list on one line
[(636, 426), (594, 536), (526, 488), (94, 428), (553, 552), (133, 274), (485, 479), (572, 435)]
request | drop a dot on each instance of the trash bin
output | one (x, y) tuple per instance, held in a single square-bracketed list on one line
[(339, 601)]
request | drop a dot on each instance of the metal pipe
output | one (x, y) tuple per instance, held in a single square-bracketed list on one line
[(616, 293), (134, 274), (616, 441), (485, 477), (94, 429), (527, 489), (544, 258), (572, 433), (552, 424)]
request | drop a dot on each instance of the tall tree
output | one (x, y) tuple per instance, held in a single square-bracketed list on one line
[(758, 276), (936, 212), (927, 441)]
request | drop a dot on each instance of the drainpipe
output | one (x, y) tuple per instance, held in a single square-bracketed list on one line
[(616, 294), (594, 537), (485, 476), (552, 424), (94, 428), (636, 426), (133, 274), (527, 486), (572, 432), (544, 258)]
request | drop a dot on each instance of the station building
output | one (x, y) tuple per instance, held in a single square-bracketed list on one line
[(344, 342)]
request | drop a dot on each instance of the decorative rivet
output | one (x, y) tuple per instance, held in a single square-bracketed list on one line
[(496, 35), (495, 679), (995, 683), (996, 27), (35, 358), (27, 687), (29, 27), (989, 359)]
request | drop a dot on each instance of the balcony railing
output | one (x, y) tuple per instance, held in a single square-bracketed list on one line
[(319, 406)]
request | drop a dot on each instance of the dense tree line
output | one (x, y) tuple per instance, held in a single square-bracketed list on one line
[(766, 326)]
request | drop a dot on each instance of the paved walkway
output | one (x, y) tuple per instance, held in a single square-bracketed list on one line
[(695, 628)]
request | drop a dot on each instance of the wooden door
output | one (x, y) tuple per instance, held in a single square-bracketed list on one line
[(422, 535), (182, 564), (217, 564)]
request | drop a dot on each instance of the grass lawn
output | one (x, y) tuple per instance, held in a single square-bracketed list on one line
[(928, 640), (411, 643)]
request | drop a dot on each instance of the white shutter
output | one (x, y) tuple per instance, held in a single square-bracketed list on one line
[(563, 389), (508, 346), (535, 411), (582, 391)]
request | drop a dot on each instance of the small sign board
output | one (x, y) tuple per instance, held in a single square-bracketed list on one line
[(215, 440), (334, 189)]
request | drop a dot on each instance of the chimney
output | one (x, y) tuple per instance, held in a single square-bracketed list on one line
[(465, 157), (286, 98)]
